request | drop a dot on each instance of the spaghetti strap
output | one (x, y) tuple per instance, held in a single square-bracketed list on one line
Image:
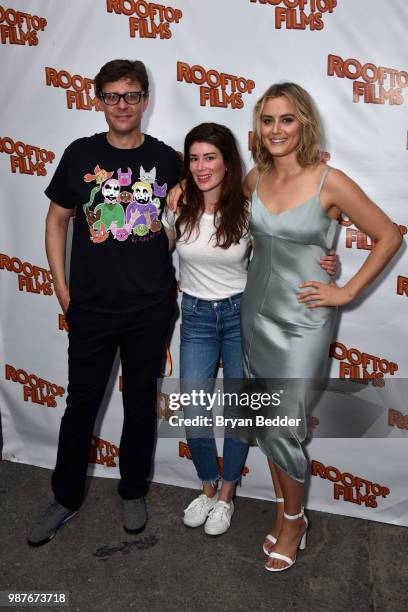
[(257, 182), (325, 173)]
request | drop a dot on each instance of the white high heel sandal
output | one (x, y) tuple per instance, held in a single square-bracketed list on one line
[(301, 546), (270, 537)]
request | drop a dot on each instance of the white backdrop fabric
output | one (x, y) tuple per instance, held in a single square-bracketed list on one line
[(208, 61)]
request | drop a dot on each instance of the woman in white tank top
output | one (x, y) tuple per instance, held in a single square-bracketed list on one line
[(212, 243)]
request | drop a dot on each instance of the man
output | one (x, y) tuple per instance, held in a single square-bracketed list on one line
[(121, 293)]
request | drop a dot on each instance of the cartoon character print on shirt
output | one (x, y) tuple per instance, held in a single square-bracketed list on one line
[(111, 210), (150, 177), (91, 217), (160, 190), (124, 178), (99, 176), (123, 213), (147, 177), (142, 213), (100, 235)]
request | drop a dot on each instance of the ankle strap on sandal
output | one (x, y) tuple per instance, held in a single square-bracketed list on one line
[(293, 517)]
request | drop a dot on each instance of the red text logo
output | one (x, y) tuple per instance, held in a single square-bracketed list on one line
[(350, 488), (30, 278), (358, 239), (17, 28), (402, 285), (216, 88), (184, 452), (372, 84), (357, 365), (62, 324), (299, 14), (151, 20), (25, 158), (35, 389), (397, 419), (78, 89), (103, 452)]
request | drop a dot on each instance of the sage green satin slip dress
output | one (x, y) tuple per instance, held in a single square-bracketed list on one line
[(281, 338)]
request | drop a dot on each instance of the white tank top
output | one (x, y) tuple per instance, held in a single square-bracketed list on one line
[(207, 271)]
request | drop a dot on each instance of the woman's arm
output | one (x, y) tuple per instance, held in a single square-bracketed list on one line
[(249, 183), (171, 237), (168, 219), (344, 194), (176, 194)]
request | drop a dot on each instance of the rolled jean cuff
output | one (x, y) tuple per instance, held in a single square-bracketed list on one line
[(213, 483), (204, 455), (235, 481)]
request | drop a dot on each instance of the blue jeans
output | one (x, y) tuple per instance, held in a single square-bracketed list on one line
[(210, 330)]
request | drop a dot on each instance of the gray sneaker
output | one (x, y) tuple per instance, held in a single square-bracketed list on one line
[(134, 514), (48, 524)]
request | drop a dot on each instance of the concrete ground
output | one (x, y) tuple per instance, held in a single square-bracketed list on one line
[(349, 564)]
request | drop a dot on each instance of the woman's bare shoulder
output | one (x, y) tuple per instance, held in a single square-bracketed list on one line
[(250, 181)]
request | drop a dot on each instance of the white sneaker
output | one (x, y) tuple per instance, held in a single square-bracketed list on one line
[(196, 513), (219, 519)]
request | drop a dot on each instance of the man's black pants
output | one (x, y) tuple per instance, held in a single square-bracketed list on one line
[(93, 341)]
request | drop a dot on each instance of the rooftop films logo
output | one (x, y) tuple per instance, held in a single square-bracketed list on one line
[(17, 28), (146, 19), (80, 91), (62, 324), (348, 487), (30, 278), (372, 84), (216, 88), (357, 365), (185, 453), (35, 389), (300, 14), (355, 238), (25, 158), (103, 452), (402, 285), (397, 419)]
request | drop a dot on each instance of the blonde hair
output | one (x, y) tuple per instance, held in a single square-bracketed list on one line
[(142, 184), (308, 153)]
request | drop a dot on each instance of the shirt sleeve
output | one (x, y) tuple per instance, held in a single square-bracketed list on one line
[(176, 168), (60, 188)]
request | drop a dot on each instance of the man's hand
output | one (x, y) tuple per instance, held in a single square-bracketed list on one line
[(63, 298), (330, 263)]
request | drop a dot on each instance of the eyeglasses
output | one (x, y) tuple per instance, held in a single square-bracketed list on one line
[(130, 97)]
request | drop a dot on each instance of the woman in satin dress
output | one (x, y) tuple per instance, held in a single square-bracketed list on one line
[(289, 306)]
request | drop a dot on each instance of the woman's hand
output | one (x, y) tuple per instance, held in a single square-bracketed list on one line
[(175, 195), (322, 294), (330, 263)]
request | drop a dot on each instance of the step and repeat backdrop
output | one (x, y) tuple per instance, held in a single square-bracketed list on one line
[(209, 61)]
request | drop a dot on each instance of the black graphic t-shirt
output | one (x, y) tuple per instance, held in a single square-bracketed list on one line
[(120, 260)]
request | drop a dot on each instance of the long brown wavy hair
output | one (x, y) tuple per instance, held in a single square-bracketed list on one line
[(231, 222)]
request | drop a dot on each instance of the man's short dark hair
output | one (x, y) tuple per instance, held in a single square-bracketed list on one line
[(122, 69)]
